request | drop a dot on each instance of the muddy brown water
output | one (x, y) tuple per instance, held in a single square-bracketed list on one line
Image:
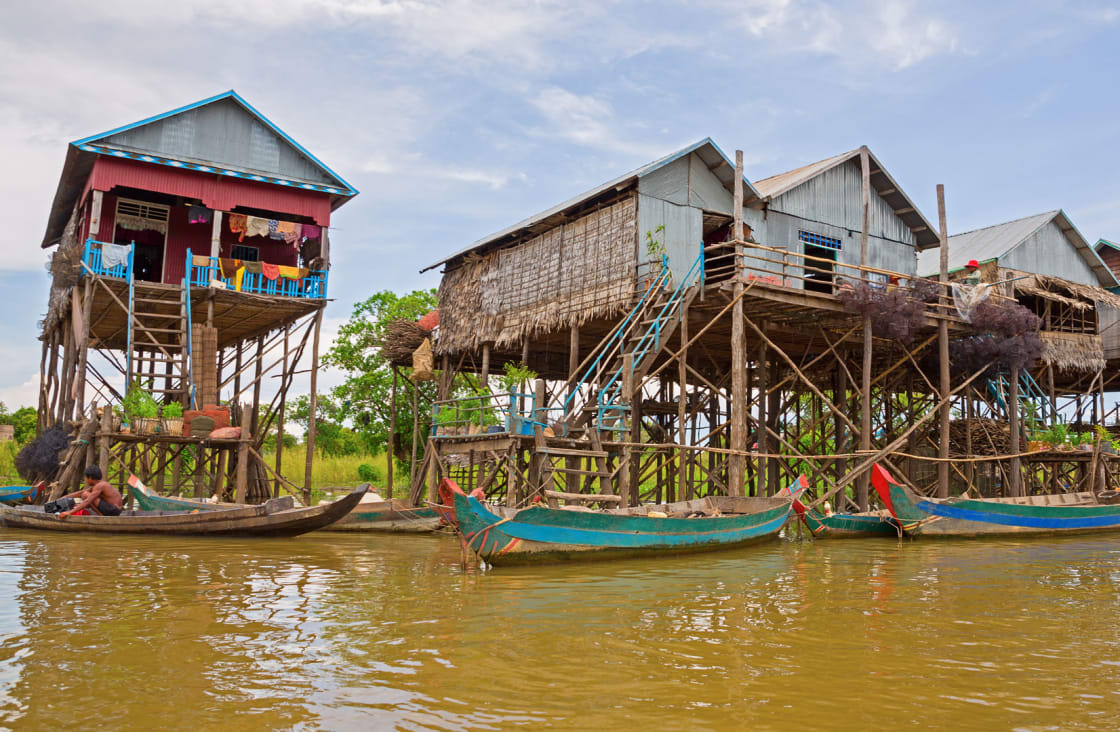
[(372, 632)]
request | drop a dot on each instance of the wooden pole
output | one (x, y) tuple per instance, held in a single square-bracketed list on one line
[(484, 376), (311, 409), (943, 352), (625, 474), (682, 403), (864, 483), (242, 483), (280, 416), (1013, 420), (735, 463), (392, 443), (762, 375), (103, 440)]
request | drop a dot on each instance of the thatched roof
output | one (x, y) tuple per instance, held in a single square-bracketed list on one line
[(1073, 351), (1074, 294)]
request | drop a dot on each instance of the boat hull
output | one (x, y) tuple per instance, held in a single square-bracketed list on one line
[(847, 525), (964, 518), (13, 494), (385, 516), (541, 535), (269, 519)]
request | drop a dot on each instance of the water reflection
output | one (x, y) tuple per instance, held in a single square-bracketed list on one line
[(344, 631)]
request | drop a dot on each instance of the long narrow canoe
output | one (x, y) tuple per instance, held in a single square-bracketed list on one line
[(12, 494), (272, 518), (969, 517), (387, 516), (539, 534), (847, 525)]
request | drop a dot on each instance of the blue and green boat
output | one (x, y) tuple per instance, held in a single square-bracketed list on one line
[(1068, 513), (828, 525), (540, 534)]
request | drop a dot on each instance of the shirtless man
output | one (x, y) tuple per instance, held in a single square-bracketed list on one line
[(100, 496)]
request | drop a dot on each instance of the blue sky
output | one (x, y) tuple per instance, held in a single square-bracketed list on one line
[(455, 119)]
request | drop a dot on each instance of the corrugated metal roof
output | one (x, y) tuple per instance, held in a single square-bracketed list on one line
[(1105, 243), (924, 233), (992, 242), (720, 165)]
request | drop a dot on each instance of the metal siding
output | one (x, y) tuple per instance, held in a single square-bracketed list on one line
[(683, 235), (1108, 322), (220, 193), (222, 133), (705, 190), (669, 183), (835, 197), (1049, 252)]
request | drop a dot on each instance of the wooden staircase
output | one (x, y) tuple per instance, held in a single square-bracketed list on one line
[(158, 351)]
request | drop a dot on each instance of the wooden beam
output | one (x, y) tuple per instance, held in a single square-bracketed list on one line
[(943, 351)]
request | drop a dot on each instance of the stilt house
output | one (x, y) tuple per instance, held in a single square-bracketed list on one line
[(191, 260)]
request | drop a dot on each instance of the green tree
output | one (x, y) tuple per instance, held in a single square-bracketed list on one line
[(332, 437), (23, 419), (364, 398)]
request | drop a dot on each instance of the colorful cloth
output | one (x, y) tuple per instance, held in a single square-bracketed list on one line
[(238, 224), (229, 266), (311, 231), (198, 215), (270, 271), (290, 273), (113, 255), (253, 267), (237, 278), (288, 231), (256, 226)]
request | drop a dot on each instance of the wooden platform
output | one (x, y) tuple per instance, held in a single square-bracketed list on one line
[(237, 315)]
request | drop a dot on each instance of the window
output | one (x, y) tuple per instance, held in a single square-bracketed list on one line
[(245, 254), (140, 216), (817, 240)]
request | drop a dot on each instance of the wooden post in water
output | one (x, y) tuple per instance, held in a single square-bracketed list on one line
[(735, 462), (1013, 421), (682, 404), (762, 373), (625, 488), (943, 351), (864, 483), (391, 448), (312, 409)]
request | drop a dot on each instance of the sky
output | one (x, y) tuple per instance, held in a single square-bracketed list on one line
[(455, 119)]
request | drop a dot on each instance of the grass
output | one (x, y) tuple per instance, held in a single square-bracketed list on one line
[(331, 472), (8, 474)]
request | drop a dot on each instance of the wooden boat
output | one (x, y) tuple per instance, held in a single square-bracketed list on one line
[(539, 534), (847, 525), (388, 516), (12, 494), (273, 518), (976, 517)]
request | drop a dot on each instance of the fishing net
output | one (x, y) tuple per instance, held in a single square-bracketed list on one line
[(38, 460)]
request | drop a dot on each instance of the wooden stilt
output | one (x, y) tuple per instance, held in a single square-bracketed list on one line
[(311, 409)]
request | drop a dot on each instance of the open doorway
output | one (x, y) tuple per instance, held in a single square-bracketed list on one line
[(144, 226), (819, 276)]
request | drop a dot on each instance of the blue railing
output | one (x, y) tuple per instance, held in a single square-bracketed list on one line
[(313, 286), (651, 339), (510, 413), (91, 257), (1030, 394)]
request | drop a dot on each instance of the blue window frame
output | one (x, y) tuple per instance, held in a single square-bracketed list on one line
[(817, 240)]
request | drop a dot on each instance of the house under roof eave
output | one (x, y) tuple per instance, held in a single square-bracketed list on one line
[(717, 162), (998, 241), (136, 142), (882, 183)]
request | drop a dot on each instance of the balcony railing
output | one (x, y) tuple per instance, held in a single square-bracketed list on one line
[(91, 258), (313, 286), (203, 271)]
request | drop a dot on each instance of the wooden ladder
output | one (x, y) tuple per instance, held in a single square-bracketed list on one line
[(158, 337)]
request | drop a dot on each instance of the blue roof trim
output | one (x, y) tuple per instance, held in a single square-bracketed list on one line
[(184, 165), (349, 190), (1106, 243)]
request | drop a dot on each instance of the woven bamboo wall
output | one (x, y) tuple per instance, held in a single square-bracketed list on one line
[(564, 277)]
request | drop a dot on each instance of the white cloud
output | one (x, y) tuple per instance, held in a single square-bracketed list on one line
[(21, 395), (891, 32), (587, 121)]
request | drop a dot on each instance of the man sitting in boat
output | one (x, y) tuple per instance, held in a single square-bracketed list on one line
[(100, 496)]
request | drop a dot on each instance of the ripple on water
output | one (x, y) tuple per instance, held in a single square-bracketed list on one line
[(346, 631)]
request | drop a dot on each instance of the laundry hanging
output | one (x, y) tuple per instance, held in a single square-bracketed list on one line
[(256, 226), (113, 255), (237, 224), (270, 271)]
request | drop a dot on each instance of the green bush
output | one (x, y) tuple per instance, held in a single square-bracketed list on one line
[(369, 473)]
